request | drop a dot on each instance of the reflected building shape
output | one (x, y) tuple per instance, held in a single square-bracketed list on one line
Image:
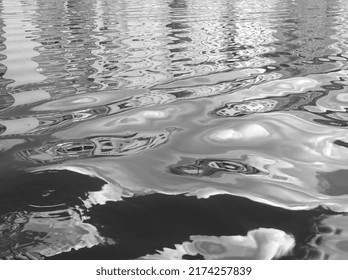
[(102, 146), (3, 82), (98, 30), (197, 37), (21, 49), (131, 43), (207, 43), (254, 32), (147, 60), (341, 27), (307, 32), (67, 42), (109, 29)]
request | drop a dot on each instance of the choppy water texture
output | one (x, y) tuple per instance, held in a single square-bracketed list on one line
[(173, 129)]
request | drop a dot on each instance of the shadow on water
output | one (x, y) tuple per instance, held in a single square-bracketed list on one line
[(141, 225), (55, 189)]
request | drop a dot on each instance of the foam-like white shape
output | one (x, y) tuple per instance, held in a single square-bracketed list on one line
[(258, 244)]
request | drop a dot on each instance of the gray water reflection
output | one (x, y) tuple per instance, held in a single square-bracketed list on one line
[(202, 98), (20, 47)]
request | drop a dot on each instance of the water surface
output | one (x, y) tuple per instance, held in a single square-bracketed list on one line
[(173, 129)]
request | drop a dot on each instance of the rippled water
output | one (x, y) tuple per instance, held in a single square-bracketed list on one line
[(175, 129)]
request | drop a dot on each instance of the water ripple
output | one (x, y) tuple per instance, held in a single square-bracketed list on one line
[(178, 100)]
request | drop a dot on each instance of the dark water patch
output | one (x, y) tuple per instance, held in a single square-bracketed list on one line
[(141, 225), (43, 191), (341, 143), (195, 257)]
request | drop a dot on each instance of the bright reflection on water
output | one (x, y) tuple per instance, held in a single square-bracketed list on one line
[(219, 126)]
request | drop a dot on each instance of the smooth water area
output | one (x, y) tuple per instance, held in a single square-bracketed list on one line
[(173, 129)]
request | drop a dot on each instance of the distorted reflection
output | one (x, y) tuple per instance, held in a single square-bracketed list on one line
[(330, 239), (101, 146), (265, 105), (30, 235), (259, 244), (217, 127), (208, 167), (313, 101), (20, 48), (285, 103), (50, 218)]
